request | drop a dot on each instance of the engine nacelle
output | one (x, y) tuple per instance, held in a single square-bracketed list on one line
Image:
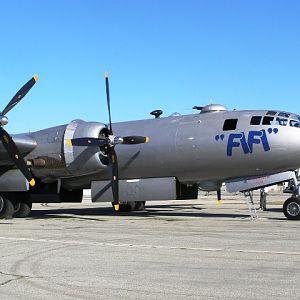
[(83, 160)]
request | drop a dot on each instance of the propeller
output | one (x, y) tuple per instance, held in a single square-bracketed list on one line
[(7, 141), (127, 140), (110, 142)]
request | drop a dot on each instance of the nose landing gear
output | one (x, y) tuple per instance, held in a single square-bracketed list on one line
[(291, 208)]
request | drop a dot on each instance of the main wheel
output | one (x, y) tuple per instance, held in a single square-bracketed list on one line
[(139, 205), (23, 205), (291, 208), (23, 210), (133, 206), (6, 208)]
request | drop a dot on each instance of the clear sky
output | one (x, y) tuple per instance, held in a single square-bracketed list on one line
[(165, 54)]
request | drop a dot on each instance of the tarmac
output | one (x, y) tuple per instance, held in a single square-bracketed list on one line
[(190, 249)]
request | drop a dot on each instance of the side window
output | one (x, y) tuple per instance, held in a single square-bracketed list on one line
[(230, 124), (255, 120), (268, 120)]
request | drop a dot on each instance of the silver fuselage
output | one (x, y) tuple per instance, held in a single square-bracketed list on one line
[(192, 148)]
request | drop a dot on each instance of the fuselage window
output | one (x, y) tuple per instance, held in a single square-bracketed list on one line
[(255, 120), (271, 113), (230, 124), (268, 120), (280, 121)]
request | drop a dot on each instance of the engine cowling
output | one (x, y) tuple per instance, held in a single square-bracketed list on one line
[(83, 160)]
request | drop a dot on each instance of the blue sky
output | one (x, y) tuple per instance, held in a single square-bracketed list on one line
[(168, 55)]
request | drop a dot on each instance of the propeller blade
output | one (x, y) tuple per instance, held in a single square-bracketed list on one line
[(88, 142), (219, 197), (219, 194), (20, 94), (113, 161), (108, 101), (198, 107), (135, 139), (15, 155)]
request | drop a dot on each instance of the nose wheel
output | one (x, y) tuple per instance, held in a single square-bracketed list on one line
[(291, 208)]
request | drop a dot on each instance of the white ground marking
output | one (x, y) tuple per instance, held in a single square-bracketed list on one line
[(103, 244)]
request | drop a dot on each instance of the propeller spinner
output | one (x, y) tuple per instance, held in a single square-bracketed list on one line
[(7, 141), (110, 142)]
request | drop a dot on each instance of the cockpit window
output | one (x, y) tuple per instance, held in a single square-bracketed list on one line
[(284, 114), (255, 120), (295, 123), (278, 118), (230, 124), (267, 120), (281, 121), (271, 113)]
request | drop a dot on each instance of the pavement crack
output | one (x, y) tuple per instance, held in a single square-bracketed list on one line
[(10, 280), (16, 277)]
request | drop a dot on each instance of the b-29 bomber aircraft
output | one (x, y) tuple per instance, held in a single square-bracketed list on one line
[(129, 163)]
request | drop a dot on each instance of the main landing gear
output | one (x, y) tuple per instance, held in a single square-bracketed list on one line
[(15, 205), (6, 207)]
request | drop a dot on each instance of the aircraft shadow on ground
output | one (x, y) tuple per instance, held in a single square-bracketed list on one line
[(152, 211)]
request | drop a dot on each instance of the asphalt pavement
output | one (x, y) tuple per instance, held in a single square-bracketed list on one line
[(191, 249)]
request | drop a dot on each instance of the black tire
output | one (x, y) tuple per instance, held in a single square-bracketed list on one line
[(23, 205), (22, 210), (126, 207), (6, 208), (139, 205), (291, 208), (129, 206)]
